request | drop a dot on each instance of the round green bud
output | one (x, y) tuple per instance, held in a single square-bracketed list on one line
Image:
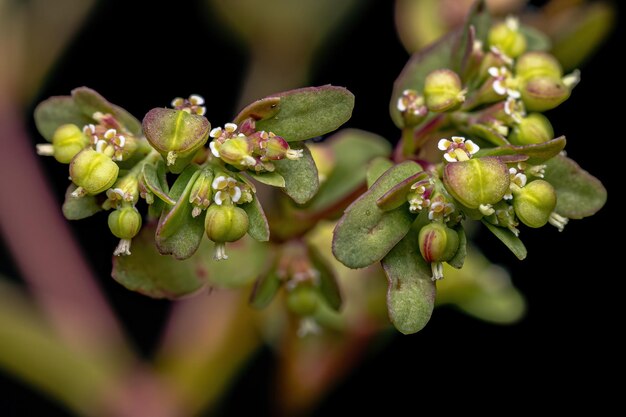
[(537, 64), (478, 181), (534, 203), (225, 223), (438, 243), (67, 141), (544, 93), (443, 90), (125, 222), (507, 38), (237, 151), (535, 128), (93, 171), (303, 300)]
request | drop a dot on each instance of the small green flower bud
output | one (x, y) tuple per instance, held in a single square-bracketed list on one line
[(237, 151), (537, 64), (544, 93), (92, 171), (534, 203), (303, 299), (507, 37), (443, 90), (477, 182), (276, 147), (125, 222), (67, 141), (411, 107), (437, 242), (225, 223), (535, 128), (201, 192)]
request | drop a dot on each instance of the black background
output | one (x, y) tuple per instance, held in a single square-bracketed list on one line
[(553, 360)]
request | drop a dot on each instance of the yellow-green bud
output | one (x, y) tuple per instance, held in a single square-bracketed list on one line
[(67, 141), (303, 300), (225, 223), (534, 203), (537, 64), (94, 172), (507, 38), (438, 243), (237, 151), (477, 182), (125, 222), (201, 192), (443, 90), (535, 128), (544, 93)]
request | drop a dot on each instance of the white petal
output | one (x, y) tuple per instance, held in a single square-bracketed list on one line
[(499, 88), (230, 127), (443, 144), (110, 134), (449, 157), (471, 147), (235, 194), (214, 151), (493, 71), (219, 183), (218, 198), (458, 139), (216, 132), (513, 93), (196, 99), (401, 104)]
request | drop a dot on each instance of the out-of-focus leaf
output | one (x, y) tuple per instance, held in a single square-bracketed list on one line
[(148, 272), (57, 111), (178, 233), (79, 208), (411, 290), (588, 27), (488, 134), (579, 194), (269, 178), (509, 239), (365, 233), (155, 181), (537, 153), (352, 149), (535, 39), (376, 168), (265, 289), (309, 112), (259, 110), (301, 179), (259, 228), (89, 102), (328, 288)]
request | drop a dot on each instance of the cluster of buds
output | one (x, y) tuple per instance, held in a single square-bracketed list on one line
[(247, 149)]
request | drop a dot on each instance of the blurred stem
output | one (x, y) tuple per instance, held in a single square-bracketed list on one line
[(272, 71), (208, 339), (45, 252), (32, 351)]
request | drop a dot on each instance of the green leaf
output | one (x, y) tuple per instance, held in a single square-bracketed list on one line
[(352, 150), (365, 233), (57, 111), (487, 133), (155, 180), (509, 239), (458, 259), (309, 112), (301, 178), (376, 168), (259, 110), (148, 272), (265, 289), (475, 28), (328, 288), (535, 39), (578, 193), (411, 290), (178, 233), (246, 258), (396, 196), (537, 153), (79, 208), (89, 102), (269, 178), (259, 228), (170, 130)]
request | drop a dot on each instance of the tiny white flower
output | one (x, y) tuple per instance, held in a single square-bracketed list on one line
[(196, 99), (216, 132), (214, 151), (230, 127)]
